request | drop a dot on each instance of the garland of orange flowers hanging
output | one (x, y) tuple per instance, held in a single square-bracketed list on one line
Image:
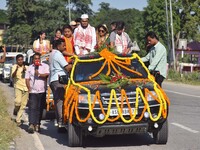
[(73, 89)]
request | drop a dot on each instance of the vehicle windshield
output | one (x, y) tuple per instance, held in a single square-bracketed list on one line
[(84, 70)]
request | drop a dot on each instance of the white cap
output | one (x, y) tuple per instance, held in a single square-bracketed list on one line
[(84, 16)]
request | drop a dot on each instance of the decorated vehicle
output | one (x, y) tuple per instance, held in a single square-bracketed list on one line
[(110, 94)]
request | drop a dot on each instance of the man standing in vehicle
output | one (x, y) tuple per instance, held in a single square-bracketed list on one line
[(157, 57), (21, 91), (84, 37)]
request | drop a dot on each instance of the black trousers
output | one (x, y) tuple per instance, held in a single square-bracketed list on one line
[(37, 102), (159, 79)]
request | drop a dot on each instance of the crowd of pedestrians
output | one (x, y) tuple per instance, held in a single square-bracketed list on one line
[(78, 38)]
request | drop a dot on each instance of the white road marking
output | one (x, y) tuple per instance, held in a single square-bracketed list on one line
[(37, 141), (196, 96), (184, 127)]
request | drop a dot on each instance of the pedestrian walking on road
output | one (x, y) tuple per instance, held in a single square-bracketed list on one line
[(157, 57), (21, 91), (36, 82)]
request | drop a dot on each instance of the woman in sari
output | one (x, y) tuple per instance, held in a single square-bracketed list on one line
[(102, 37), (69, 41)]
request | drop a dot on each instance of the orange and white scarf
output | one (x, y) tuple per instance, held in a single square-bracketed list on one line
[(121, 43), (83, 39)]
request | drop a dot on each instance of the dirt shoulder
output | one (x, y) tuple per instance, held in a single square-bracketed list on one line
[(24, 141)]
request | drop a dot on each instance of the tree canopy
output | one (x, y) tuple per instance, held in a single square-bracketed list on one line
[(27, 17)]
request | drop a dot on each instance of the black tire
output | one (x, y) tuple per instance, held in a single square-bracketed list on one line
[(75, 136), (161, 135)]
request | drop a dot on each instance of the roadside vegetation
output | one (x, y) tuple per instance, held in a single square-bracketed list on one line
[(8, 129), (187, 77)]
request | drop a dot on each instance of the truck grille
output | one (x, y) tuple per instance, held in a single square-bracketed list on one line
[(105, 97)]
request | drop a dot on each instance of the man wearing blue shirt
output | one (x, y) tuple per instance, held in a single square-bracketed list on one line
[(157, 57), (58, 67)]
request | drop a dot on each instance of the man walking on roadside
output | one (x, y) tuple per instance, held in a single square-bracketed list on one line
[(21, 91), (36, 82), (157, 57)]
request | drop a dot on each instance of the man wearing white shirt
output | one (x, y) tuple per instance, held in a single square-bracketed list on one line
[(84, 37)]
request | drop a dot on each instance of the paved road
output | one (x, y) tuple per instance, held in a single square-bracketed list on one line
[(184, 128)]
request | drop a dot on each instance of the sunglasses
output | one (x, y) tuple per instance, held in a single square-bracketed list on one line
[(102, 31)]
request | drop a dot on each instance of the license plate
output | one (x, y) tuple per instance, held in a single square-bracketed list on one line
[(125, 112)]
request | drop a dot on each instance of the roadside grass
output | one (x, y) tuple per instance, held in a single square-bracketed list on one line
[(192, 78), (8, 129)]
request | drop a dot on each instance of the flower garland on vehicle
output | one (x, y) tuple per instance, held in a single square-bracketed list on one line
[(73, 90), (115, 80)]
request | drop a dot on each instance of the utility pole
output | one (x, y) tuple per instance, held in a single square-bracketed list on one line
[(172, 34), (69, 11), (167, 26)]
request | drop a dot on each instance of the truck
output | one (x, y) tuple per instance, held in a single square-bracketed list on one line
[(113, 94)]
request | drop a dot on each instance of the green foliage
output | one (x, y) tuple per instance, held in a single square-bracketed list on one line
[(3, 16), (28, 17), (186, 77)]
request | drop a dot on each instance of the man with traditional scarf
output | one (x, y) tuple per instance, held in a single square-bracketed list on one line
[(84, 37)]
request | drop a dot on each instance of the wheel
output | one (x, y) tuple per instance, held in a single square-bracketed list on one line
[(161, 135), (75, 137)]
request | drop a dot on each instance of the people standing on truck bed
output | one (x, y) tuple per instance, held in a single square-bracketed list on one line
[(41, 45), (58, 67), (36, 82), (157, 57), (84, 37), (21, 91)]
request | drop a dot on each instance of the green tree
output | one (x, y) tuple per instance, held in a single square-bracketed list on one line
[(3, 16), (190, 18)]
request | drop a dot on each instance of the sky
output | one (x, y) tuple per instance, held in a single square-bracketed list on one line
[(119, 4)]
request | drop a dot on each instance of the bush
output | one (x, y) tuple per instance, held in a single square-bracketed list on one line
[(186, 77)]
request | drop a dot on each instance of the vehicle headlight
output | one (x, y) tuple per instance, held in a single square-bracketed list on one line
[(83, 98), (150, 98)]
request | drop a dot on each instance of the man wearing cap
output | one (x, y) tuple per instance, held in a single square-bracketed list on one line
[(84, 37)]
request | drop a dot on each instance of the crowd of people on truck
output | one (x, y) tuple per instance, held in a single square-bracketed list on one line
[(78, 38)]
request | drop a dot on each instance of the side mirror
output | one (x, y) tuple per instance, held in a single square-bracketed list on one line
[(63, 79)]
